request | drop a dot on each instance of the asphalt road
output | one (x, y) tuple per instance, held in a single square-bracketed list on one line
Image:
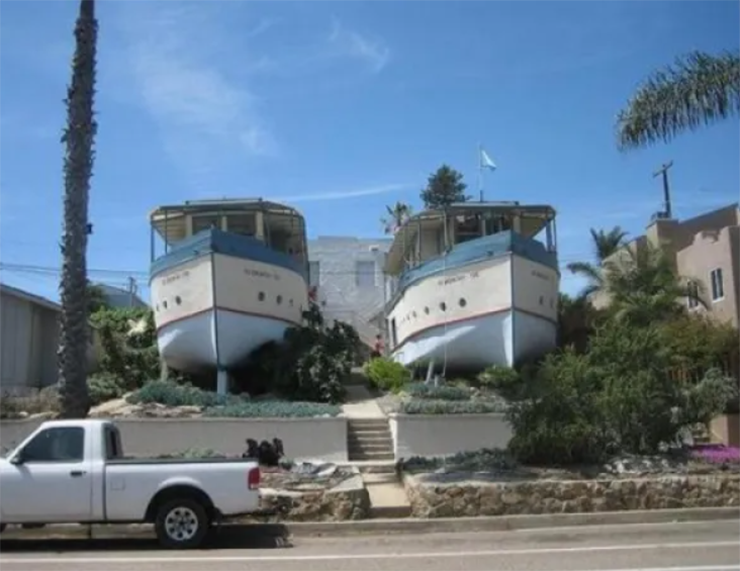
[(707, 546)]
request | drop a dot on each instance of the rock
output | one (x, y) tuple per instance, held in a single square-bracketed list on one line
[(429, 498)]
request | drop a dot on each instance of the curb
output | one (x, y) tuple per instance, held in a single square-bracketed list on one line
[(407, 526)]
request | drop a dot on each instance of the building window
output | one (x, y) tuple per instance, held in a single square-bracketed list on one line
[(365, 274), (718, 286), (261, 296), (462, 302), (443, 306), (279, 299), (178, 300), (164, 304), (314, 274), (426, 310), (542, 300)]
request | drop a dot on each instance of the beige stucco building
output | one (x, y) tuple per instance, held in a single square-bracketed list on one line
[(29, 339), (704, 249)]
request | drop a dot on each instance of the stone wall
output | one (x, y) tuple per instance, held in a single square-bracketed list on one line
[(347, 501), (431, 498)]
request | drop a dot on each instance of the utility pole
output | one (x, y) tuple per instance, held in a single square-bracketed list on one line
[(131, 290), (666, 188)]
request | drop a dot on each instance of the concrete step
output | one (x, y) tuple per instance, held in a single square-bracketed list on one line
[(370, 437), (380, 478), (368, 424), (373, 466), (385, 446), (360, 455), (388, 500), (370, 448)]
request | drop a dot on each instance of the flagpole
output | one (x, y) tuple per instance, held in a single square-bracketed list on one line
[(480, 171)]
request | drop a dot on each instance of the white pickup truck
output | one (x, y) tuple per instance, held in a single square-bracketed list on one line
[(73, 471)]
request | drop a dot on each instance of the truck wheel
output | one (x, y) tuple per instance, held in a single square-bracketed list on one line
[(181, 524)]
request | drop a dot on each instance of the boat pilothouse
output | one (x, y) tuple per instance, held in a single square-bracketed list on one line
[(474, 285), (232, 277)]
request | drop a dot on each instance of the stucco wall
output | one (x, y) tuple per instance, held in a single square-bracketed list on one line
[(339, 294), (444, 435), (320, 438)]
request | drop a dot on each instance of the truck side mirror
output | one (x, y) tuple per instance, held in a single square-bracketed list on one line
[(18, 458)]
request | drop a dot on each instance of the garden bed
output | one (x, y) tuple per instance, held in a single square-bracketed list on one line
[(490, 482), (421, 399), (165, 399)]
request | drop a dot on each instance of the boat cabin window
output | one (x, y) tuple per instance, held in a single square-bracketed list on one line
[(244, 223), (496, 224), (467, 228), (205, 221)]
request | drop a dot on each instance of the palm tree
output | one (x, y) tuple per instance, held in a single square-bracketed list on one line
[(698, 89), (78, 161), (644, 288), (397, 215), (605, 244)]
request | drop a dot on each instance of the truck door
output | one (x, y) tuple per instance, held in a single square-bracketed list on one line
[(49, 479)]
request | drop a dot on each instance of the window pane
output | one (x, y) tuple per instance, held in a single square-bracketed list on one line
[(365, 274), (56, 445), (314, 272)]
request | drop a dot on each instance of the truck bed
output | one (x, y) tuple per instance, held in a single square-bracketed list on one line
[(135, 460)]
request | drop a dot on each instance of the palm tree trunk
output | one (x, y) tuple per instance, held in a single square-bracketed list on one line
[(78, 161)]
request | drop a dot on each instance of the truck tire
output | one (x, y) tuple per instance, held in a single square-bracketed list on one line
[(181, 524), (2, 527)]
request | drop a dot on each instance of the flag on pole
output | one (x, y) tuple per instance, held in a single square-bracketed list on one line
[(485, 161)]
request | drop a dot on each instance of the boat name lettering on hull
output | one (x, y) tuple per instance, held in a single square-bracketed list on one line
[(455, 279), (262, 274), (540, 275), (175, 277)]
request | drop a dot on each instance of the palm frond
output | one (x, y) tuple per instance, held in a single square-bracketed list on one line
[(698, 89)]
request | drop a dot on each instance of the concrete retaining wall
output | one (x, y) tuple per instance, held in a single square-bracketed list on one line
[(443, 435), (303, 438)]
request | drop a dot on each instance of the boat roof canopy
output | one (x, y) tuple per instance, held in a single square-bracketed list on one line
[(533, 219), (170, 221)]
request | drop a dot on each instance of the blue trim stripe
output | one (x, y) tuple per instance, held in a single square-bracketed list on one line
[(214, 241), (467, 253)]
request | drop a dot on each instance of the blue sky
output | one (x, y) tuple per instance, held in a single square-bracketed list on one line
[(340, 108)]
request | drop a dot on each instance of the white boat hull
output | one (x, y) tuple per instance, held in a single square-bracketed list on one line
[(213, 309), (476, 311), (197, 343)]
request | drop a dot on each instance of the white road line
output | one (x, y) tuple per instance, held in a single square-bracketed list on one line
[(365, 556)]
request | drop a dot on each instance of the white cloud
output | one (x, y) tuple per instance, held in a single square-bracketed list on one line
[(202, 113), (383, 189), (373, 53)]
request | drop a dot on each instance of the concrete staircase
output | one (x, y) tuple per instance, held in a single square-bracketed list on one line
[(388, 497), (369, 440)]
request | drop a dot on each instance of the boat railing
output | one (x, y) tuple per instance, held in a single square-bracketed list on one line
[(473, 251)]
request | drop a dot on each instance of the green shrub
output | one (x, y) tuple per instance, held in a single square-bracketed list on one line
[(273, 409), (312, 363), (442, 392), (103, 387), (386, 374), (485, 460), (170, 393), (618, 397), (559, 422), (425, 406), (504, 380)]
